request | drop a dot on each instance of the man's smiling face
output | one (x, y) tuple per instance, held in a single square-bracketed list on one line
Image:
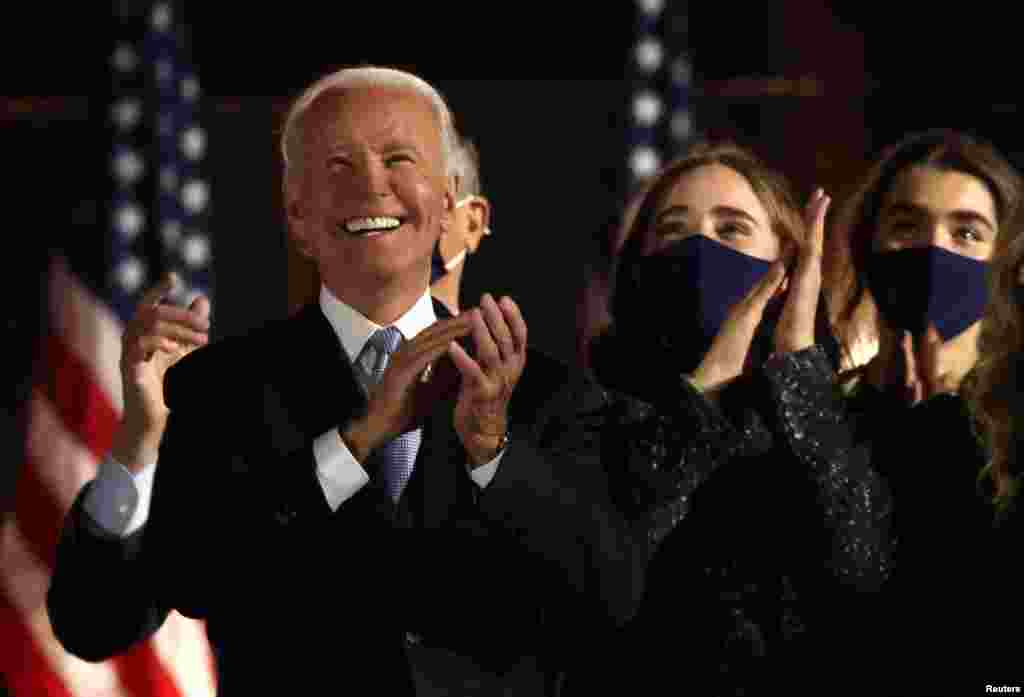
[(372, 196)]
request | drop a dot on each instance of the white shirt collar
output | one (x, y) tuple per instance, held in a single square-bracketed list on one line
[(354, 330)]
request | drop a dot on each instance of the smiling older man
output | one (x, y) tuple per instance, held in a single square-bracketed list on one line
[(368, 472)]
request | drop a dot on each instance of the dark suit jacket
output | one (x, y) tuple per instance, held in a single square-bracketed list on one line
[(240, 533)]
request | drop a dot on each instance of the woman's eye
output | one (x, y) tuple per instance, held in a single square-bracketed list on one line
[(671, 230), (967, 234), (729, 231)]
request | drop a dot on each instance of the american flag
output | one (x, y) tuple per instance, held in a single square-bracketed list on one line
[(157, 211), (661, 122)]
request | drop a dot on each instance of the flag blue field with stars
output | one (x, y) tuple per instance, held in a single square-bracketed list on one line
[(661, 124), (160, 199), (157, 204)]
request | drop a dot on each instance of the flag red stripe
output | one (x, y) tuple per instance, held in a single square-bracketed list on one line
[(39, 515), (25, 668), (143, 673), (84, 407), (140, 669), (88, 327), (87, 412)]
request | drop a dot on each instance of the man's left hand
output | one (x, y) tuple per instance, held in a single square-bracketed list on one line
[(481, 411)]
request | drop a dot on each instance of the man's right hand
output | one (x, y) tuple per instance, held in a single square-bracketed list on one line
[(400, 400), (158, 336)]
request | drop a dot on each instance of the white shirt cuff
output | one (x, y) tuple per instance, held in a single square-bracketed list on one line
[(119, 501), (483, 474), (340, 474)]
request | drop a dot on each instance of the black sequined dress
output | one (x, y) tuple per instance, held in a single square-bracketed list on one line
[(768, 530)]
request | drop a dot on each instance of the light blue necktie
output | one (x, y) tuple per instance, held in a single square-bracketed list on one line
[(397, 457)]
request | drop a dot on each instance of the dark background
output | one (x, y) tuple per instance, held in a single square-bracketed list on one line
[(543, 88)]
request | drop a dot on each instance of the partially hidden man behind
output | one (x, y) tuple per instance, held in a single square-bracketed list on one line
[(333, 482), (437, 669), (470, 224)]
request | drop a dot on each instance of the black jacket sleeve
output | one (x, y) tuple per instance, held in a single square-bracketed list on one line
[(553, 493), (102, 597), (852, 501)]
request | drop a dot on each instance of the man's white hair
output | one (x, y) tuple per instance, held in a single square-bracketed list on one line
[(365, 76), (467, 168)]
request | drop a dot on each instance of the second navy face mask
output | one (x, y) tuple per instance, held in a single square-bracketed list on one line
[(439, 268), (919, 286)]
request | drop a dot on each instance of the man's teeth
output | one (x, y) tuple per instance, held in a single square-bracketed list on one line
[(372, 225)]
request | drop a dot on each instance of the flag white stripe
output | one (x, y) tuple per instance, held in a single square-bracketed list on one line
[(183, 648), (181, 643)]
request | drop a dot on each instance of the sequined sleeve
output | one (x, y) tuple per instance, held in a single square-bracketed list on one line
[(671, 448), (814, 428)]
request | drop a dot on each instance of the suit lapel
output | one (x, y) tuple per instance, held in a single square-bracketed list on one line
[(312, 387)]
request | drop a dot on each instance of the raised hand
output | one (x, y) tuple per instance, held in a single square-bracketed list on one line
[(158, 336), (725, 359), (926, 373), (795, 330), (488, 381), (402, 398)]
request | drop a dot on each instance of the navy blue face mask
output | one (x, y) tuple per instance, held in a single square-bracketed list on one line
[(682, 294), (919, 286), (439, 268)]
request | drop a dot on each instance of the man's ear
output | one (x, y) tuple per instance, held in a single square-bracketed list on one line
[(297, 216), (448, 214), (479, 222)]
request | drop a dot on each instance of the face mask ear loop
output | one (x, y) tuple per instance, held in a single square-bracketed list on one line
[(455, 261)]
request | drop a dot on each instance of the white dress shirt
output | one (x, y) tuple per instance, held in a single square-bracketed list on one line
[(119, 500)]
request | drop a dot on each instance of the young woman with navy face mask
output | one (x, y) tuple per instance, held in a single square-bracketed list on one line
[(917, 246), (913, 250), (722, 430)]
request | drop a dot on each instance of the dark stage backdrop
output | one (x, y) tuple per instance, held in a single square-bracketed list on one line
[(538, 85), (551, 155)]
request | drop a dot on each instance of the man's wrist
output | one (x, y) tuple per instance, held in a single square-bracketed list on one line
[(136, 447), (357, 439), (362, 435), (485, 448)]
